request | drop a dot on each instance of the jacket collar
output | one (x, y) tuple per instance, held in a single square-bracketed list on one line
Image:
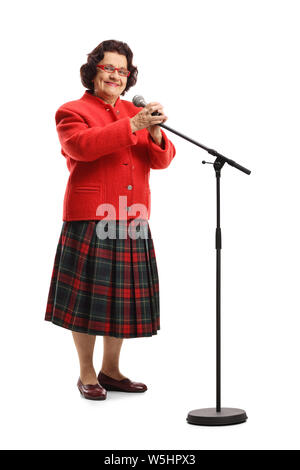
[(87, 96)]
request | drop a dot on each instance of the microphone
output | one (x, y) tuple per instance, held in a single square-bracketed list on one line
[(139, 101)]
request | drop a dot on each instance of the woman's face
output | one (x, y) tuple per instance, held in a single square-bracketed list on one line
[(107, 85)]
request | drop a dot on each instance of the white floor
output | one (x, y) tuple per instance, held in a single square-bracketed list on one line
[(42, 408)]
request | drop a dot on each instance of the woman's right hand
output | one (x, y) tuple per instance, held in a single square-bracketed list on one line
[(145, 119)]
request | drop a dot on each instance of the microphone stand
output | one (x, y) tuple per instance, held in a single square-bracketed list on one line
[(216, 416)]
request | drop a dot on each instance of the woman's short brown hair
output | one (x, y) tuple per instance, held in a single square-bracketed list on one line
[(89, 70)]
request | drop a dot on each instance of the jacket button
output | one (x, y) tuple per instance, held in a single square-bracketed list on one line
[(118, 112), (129, 187), (133, 167), (107, 109)]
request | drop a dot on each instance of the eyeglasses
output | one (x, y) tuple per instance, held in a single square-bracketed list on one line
[(110, 69)]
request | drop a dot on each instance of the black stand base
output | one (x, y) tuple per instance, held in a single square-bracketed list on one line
[(212, 417)]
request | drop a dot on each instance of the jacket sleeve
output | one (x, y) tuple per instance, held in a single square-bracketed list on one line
[(86, 144), (160, 157)]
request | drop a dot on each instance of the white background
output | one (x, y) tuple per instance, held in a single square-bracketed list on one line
[(227, 73)]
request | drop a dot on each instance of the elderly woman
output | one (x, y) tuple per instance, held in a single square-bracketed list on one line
[(107, 285)]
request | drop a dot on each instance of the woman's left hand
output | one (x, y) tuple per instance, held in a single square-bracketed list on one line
[(155, 131)]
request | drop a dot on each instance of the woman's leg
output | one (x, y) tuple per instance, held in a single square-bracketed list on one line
[(111, 356), (85, 347)]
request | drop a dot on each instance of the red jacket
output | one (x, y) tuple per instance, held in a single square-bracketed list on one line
[(106, 160)]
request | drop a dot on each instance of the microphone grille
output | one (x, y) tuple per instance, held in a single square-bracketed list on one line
[(138, 101)]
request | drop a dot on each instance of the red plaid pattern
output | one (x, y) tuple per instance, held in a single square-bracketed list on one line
[(104, 286)]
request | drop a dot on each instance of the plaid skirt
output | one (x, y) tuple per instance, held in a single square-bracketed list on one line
[(105, 286)]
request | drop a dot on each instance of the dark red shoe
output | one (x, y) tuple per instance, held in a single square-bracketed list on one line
[(91, 392), (124, 385)]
